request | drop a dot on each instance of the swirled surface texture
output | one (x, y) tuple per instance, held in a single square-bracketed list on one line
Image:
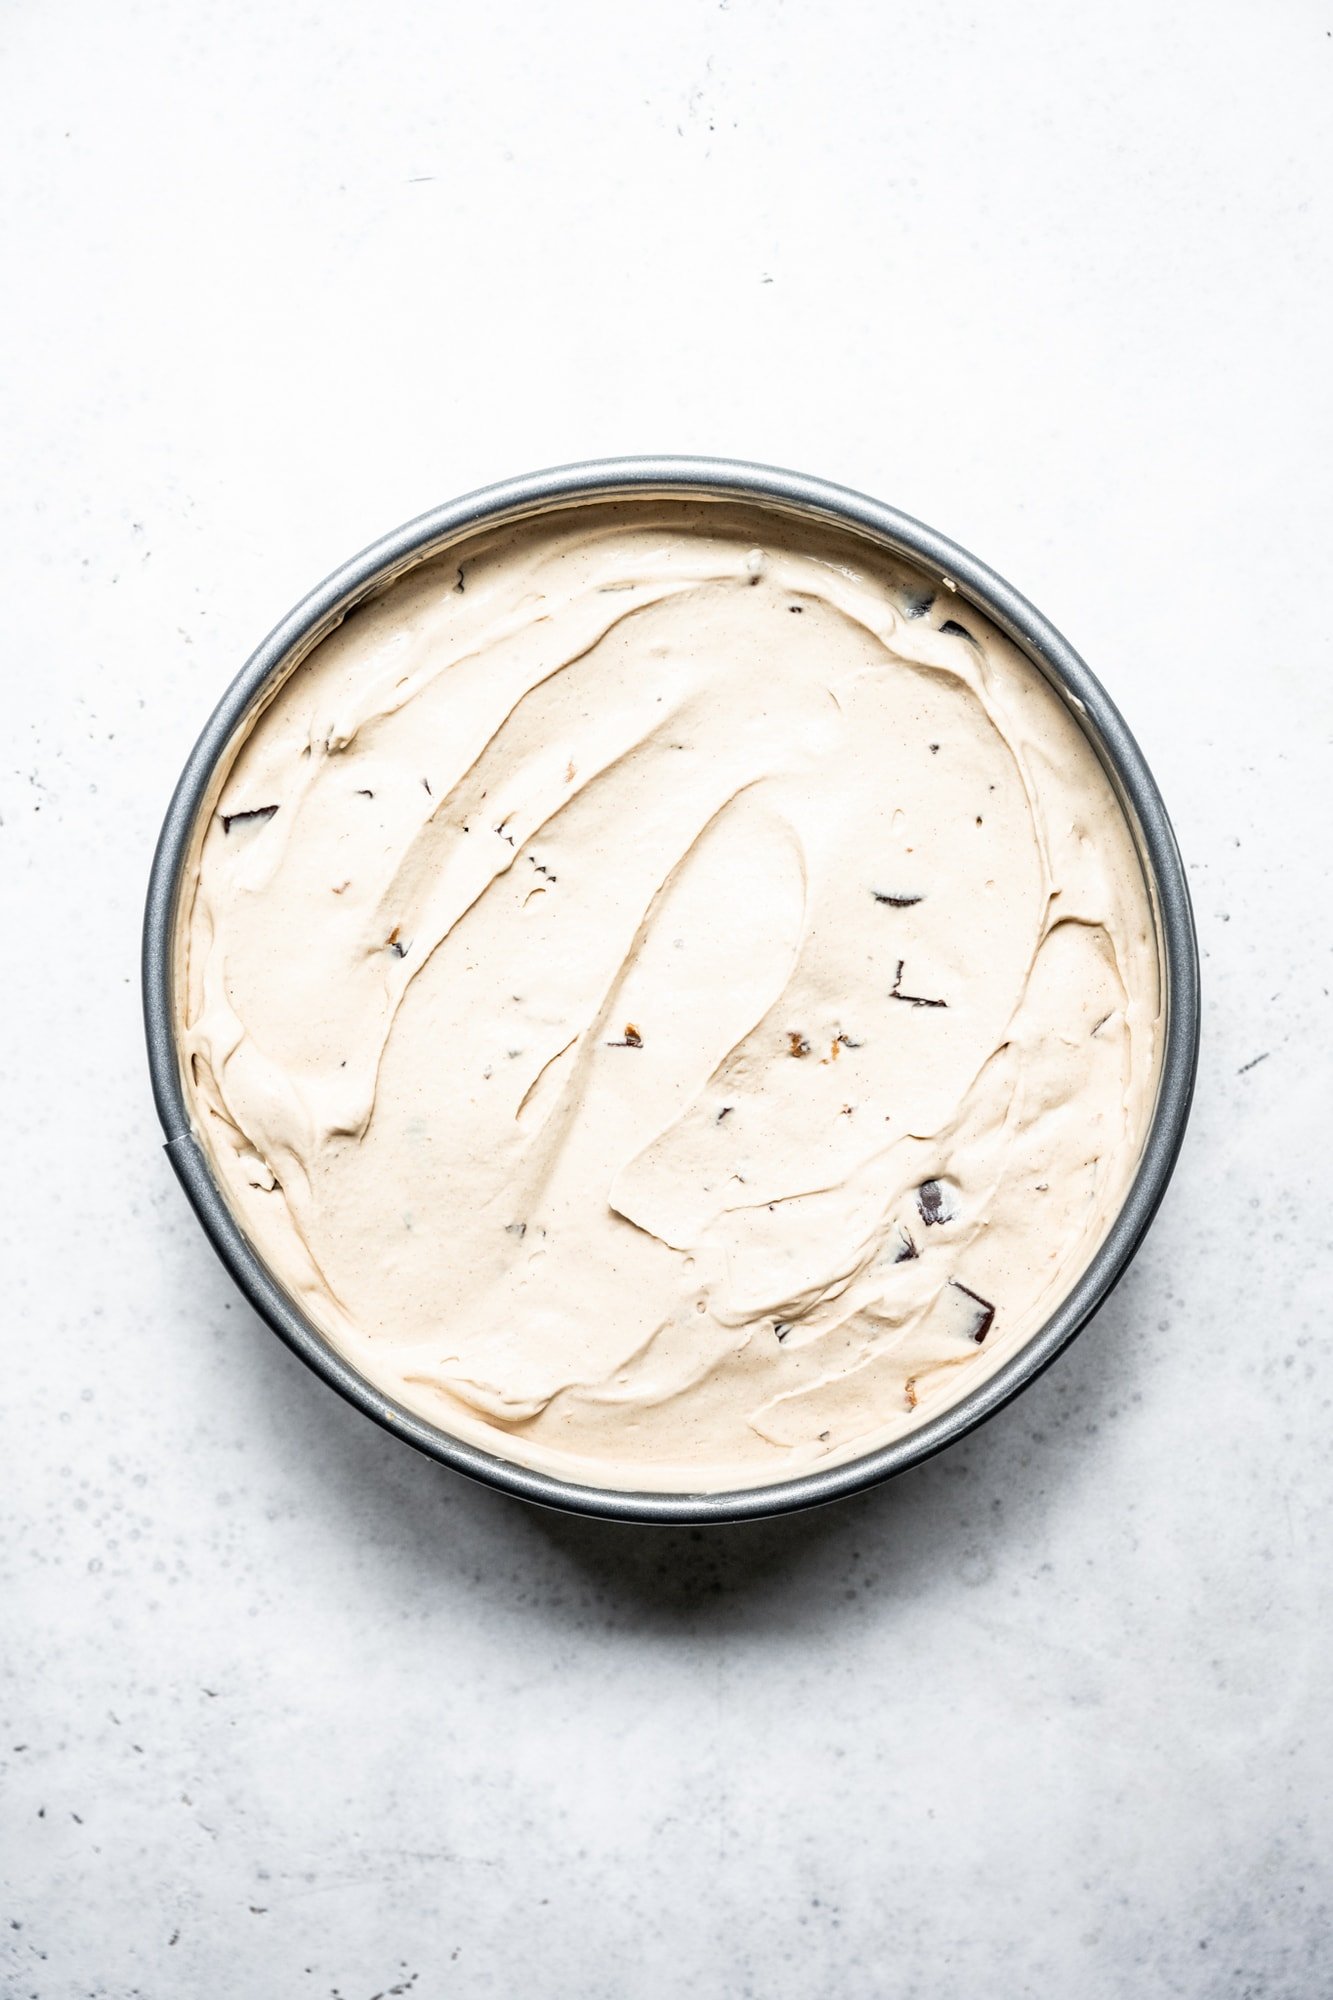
[(671, 992)]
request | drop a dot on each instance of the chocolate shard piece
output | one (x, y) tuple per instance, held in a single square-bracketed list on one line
[(958, 631), (251, 818), (631, 1039), (910, 999), (933, 1204), (797, 1044), (917, 603), (395, 944), (895, 902), (846, 1041), (985, 1310), (782, 1327), (907, 1249), (725, 1112)]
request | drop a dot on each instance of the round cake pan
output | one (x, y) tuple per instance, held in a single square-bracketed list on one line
[(791, 494)]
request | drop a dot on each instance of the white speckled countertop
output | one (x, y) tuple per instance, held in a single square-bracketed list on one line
[(286, 1710)]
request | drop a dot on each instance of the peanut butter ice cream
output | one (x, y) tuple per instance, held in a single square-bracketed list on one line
[(671, 993)]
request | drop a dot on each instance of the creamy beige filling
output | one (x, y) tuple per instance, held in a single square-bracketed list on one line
[(671, 992)]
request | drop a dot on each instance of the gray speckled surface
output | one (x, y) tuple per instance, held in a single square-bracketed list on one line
[(286, 1710)]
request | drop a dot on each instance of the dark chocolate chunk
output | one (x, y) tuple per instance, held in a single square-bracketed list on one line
[(894, 902), (725, 1112), (253, 817), (364, 793), (797, 1044), (933, 748), (782, 1327), (907, 1249), (797, 608), (519, 1229), (847, 1041), (917, 605), (986, 1318), (395, 944), (631, 1039), (460, 584), (933, 1204), (959, 631), (910, 999)]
